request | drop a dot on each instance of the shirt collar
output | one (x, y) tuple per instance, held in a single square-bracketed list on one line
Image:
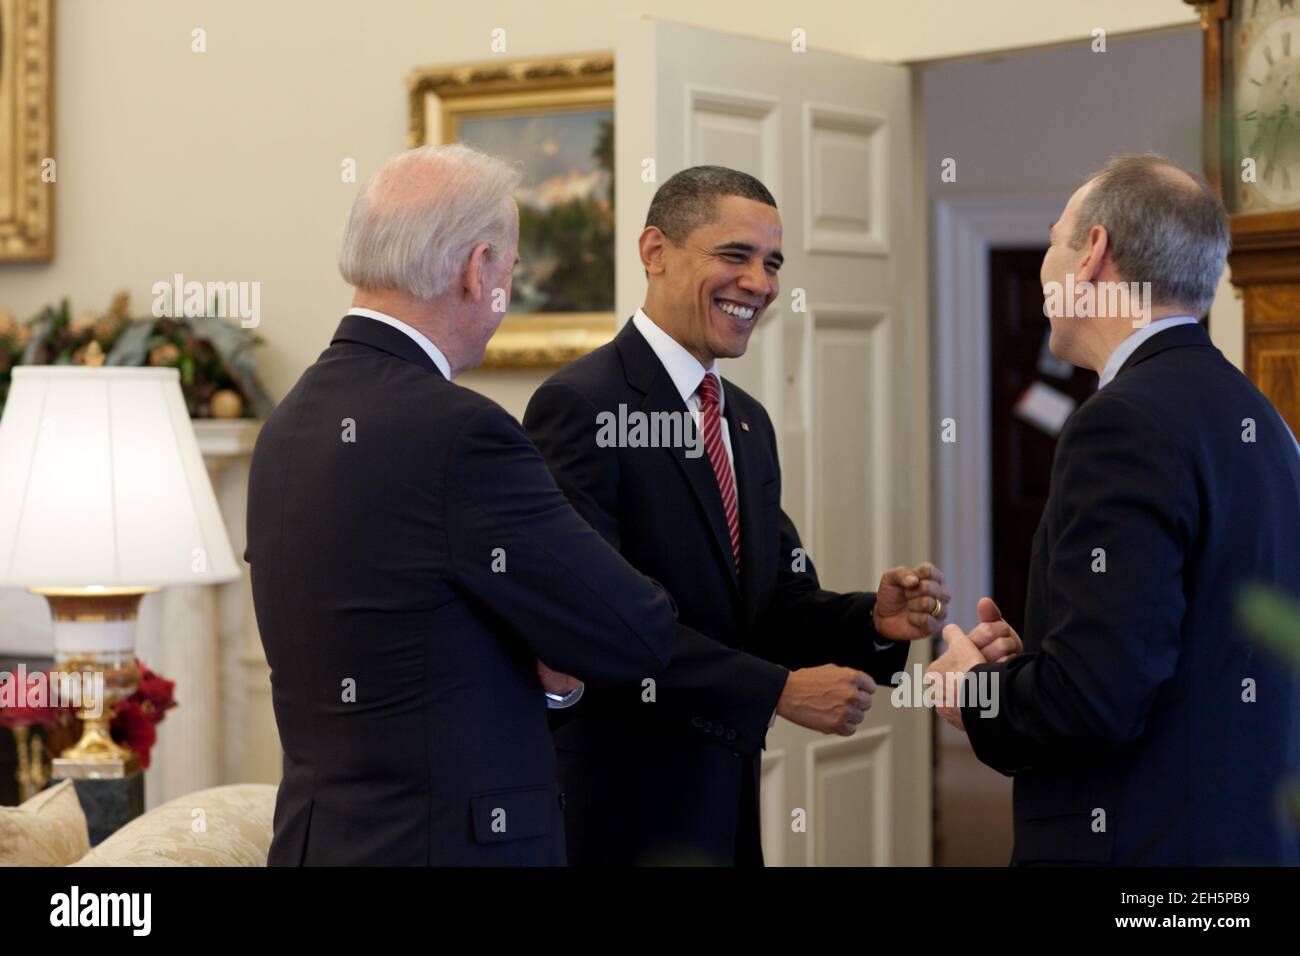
[(1130, 345), (683, 368), (416, 335)]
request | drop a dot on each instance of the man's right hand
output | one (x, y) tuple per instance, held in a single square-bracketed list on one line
[(994, 636), (830, 699), (553, 682)]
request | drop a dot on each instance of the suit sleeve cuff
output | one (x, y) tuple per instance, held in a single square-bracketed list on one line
[(995, 742)]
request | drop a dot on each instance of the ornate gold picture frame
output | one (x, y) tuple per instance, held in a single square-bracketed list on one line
[(555, 118), (26, 129)]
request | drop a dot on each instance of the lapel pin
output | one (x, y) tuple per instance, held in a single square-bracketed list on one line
[(744, 426)]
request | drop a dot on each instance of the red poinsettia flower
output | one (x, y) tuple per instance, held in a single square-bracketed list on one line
[(27, 715), (134, 726), (157, 690), (133, 722)]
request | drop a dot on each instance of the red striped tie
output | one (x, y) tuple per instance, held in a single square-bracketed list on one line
[(711, 424)]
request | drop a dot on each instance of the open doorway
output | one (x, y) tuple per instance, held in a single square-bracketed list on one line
[(994, 384), (1031, 394)]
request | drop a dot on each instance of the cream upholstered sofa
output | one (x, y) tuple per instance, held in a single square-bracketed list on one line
[(221, 826)]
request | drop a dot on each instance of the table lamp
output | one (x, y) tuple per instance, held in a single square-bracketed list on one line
[(104, 497)]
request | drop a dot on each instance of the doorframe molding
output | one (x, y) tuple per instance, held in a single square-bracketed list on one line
[(965, 230)]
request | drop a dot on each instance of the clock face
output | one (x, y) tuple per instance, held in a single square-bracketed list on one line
[(1266, 94)]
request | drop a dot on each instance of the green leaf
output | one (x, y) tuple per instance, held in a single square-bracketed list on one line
[(1290, 798), (1272, 618)]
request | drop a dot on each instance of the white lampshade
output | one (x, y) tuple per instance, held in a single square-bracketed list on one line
[(102, 483)]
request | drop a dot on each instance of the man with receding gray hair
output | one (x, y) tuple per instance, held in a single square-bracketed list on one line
[(413, 562), (1142, 725)]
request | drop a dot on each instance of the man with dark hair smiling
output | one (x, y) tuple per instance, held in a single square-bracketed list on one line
[(669, 771)]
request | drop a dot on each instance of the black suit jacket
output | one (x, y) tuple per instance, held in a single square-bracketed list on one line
[(402, 649), (675, 779), (1124, 722)]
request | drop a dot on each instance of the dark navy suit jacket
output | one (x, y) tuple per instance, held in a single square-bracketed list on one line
[(405, 582), (676, 780), (1141, 724)]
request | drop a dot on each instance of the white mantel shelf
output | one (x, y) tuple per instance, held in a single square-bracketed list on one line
[(226, 437)]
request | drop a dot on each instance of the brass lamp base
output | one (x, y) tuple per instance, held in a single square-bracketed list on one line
[(84, 642), (96, 754), (112, 769)]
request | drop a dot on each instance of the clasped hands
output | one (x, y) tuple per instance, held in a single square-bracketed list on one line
[(992, 641), (834, 699), (911, 604)]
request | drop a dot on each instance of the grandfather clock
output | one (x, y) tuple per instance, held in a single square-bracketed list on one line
[(1252, 157)]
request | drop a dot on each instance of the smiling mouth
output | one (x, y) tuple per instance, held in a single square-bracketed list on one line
[(737, 310)]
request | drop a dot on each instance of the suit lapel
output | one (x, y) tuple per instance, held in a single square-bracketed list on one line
[(646, 374)]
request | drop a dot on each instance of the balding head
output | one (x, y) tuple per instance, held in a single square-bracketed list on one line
[(415, 222), (1163, 225), (432, 240)]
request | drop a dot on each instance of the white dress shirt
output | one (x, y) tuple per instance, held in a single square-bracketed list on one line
[(686, 372), (416, 336)]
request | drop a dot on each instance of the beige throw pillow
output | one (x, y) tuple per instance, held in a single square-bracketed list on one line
[(47, 830)]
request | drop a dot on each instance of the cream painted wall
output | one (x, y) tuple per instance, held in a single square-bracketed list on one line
[(225, 165), (905, 31), (1051, 135), (1228, 322), (912, 30)]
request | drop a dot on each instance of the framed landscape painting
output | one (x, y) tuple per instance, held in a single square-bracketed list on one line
[(555, 120), (26, 129)]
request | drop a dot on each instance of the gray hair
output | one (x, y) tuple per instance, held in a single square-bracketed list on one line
[(415, 221), (1161, 228)]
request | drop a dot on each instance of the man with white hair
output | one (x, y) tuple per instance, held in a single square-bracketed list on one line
[(413, 562)]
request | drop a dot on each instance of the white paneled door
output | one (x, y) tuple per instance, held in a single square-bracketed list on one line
[(830, 136)]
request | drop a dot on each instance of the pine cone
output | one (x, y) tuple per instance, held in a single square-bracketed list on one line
[(83, 322), (117, 308), (90, 355), (164, 354), (107, 328)]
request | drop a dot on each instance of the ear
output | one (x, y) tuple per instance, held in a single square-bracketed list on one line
[(651, 245), (474, 279), (1095, 254)]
